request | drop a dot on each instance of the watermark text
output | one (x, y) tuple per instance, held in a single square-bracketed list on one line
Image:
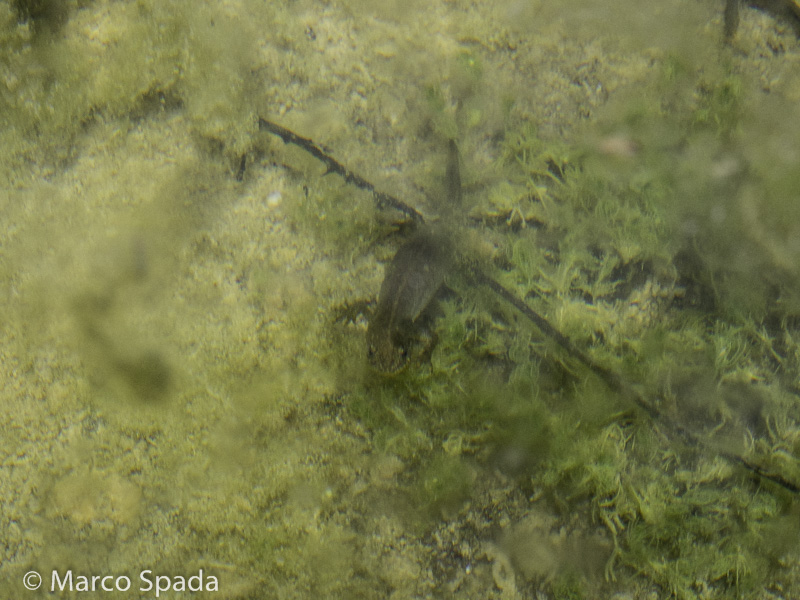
[(145, 581)]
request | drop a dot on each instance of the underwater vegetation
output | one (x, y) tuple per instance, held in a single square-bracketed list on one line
[(679, 274), (659, 237), (136, 63)]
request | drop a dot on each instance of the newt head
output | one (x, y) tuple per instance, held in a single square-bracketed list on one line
[(387, 352)]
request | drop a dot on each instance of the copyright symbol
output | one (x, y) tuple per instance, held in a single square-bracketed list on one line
[(32, 580)]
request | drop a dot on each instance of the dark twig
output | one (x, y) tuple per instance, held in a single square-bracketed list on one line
[(384, 200)]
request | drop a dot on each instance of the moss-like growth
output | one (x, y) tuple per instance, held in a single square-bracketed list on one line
[(604, 260), (662, 243), (127, 60)]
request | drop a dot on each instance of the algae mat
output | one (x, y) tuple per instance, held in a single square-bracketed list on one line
[(182, 396)]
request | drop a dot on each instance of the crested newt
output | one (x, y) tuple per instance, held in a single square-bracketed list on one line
[(412, 279)]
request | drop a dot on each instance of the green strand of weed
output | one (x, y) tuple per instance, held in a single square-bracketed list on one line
[(617, 385)]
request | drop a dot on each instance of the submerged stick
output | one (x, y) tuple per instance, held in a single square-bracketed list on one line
[(383, 200), (613, 381)]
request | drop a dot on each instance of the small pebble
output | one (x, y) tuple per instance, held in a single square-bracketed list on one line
[(274, 199)]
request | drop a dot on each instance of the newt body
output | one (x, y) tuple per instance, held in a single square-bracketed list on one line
[(412, 279)]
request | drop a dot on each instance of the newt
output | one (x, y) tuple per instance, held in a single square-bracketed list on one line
[(412, 279)]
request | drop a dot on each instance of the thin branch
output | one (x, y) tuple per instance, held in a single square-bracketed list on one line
[(383, 200)]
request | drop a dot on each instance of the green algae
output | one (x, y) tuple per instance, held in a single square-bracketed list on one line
[(688, 522), (273, 456)]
